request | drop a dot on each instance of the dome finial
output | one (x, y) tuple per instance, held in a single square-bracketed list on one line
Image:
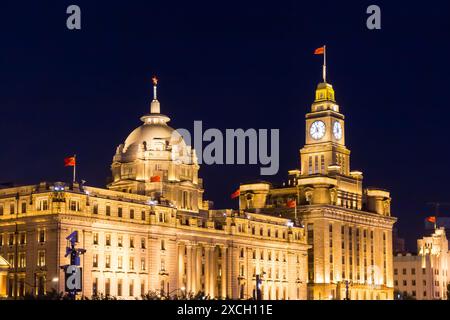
[(154, 106), (155, 84)]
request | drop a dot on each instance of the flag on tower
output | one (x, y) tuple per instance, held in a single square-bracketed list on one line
[(320, 50), (323, 51)]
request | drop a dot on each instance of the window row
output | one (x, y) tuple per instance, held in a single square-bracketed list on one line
[(10, 238), (120, 241), (120, 262)]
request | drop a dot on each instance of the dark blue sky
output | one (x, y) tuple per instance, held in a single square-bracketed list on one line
[(231, 64)]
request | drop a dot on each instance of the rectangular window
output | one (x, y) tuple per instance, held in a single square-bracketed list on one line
[(22, 260), (11, 239), (108, 261), (107, 287), (95, 210), (142, 264), (95, 238), (322, 163), (143, 215), (42, 204), (95, 261), (41, 236), (12, 208), (131, 242), (119, 262), (41, 258), (163, 245), (310, 165), (24, 207), (108, 240), (131, 263), (316, 164), (95, 287), (142, 243), (74, 205), (131, 213), (11, 259), (120, 241), (131, 290), (119, 212), (119, 287), (1, 209), (108, 210), (23, 238), (142, 287)]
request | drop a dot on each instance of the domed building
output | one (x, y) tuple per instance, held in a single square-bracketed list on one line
[(148, 232), (155, 161)]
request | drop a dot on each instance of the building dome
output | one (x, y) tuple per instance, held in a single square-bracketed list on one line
[(154, 139), (147, 135), (155, 161)]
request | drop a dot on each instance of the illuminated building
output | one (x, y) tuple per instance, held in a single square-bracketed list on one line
[(149, 231), (424, 276), (349, 228)]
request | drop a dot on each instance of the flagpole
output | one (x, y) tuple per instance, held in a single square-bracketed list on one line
[(74, 167), (325, 64)]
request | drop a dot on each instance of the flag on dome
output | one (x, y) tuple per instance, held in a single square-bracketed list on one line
[(69, 161), (236, 194)]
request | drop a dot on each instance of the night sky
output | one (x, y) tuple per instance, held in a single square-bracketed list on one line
[(232, 65)]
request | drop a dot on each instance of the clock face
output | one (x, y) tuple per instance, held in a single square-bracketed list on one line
[(317, 130), (337, 130)]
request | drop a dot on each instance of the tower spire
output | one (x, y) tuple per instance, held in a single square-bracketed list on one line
[(324, 71)]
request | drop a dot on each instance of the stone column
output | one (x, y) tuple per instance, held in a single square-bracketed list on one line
[(194, 269), (198, 262), (224, 272), (189, 269), (180, 265), (207, 270), (212, 261)]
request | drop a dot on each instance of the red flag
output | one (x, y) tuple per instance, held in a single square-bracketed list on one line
[(431, 219), (155, 179), (320, 50), (69, 162), (236, 194), (291, 204)]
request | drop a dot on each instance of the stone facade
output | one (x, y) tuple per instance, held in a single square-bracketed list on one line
[(149, 231), (348, 227), (424, 276)]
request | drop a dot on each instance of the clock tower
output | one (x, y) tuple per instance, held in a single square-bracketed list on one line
[(348, 227), (325, 136)]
